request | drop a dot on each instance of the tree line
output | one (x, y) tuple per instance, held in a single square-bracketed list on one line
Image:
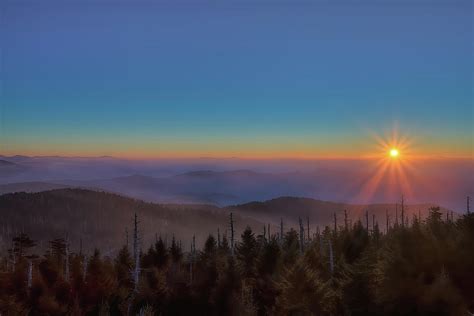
[(417, 267)]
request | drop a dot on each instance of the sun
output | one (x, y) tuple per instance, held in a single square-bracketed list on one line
[(394, 153), (392, 172)]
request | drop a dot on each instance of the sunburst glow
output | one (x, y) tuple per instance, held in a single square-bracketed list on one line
[(393, 172)]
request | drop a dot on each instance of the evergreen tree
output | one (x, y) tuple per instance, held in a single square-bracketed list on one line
[(22, 244), (246, 254), (161, 254), (303, 292), (291, 247), (175, 251)]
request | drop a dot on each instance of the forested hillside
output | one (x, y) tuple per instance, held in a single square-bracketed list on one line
[(323, 212), (421, 269), (101, 220)]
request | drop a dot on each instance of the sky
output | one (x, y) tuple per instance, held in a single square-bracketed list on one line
[(250, 79)]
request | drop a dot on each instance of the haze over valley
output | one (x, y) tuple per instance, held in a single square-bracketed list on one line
[(230, 181)]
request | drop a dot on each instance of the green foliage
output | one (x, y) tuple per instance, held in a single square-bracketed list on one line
[(246, 254), (423, 269), (291, 247), (303, 292)]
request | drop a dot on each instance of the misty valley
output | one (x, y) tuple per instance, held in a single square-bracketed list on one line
[(236, 158), (76, 251)]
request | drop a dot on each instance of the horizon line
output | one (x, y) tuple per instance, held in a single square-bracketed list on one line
[(263, 158)]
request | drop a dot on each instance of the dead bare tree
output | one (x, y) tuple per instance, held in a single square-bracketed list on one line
[(403, 211), (136, 254), (301, 235), (367, 220), (281, 230), (231, 234), (345, 220), (307, 228), (331, 257), (30, 273)]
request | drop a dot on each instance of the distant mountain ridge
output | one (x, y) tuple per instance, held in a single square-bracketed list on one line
[(5, 163), (222, 188), (290, 209), (212, 173), (10, 168), (30, 187), (100, 219), (225, 182), (206, 186)]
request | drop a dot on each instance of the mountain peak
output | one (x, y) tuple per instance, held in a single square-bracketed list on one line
[(210, 173), (6, 163)]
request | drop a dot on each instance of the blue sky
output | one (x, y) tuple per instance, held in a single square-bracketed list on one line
[(175, 78)]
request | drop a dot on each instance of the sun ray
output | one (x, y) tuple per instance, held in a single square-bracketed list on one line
[(393, 168)]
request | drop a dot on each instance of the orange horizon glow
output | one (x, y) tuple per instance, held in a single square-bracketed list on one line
[(269, 155), (256, 148), (231, 155)]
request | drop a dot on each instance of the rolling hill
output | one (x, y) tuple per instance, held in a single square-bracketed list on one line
[(34, 186), (8, 168), (205, 187), (290, 209), (101, 219), (225, 182)]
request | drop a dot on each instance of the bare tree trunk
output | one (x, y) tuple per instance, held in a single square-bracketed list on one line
[(126, 237), (367, 220), (373, 222), (467, 202), (191, 265), (403, 211), (320, 243), (331, 257), (281, 230), (13, 257), (30, 273), (136, 254), (84, 268), (67, 275), (193, 254), (307, 228), (396, 214), (345, 219), (231, 234), (301, 235)]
